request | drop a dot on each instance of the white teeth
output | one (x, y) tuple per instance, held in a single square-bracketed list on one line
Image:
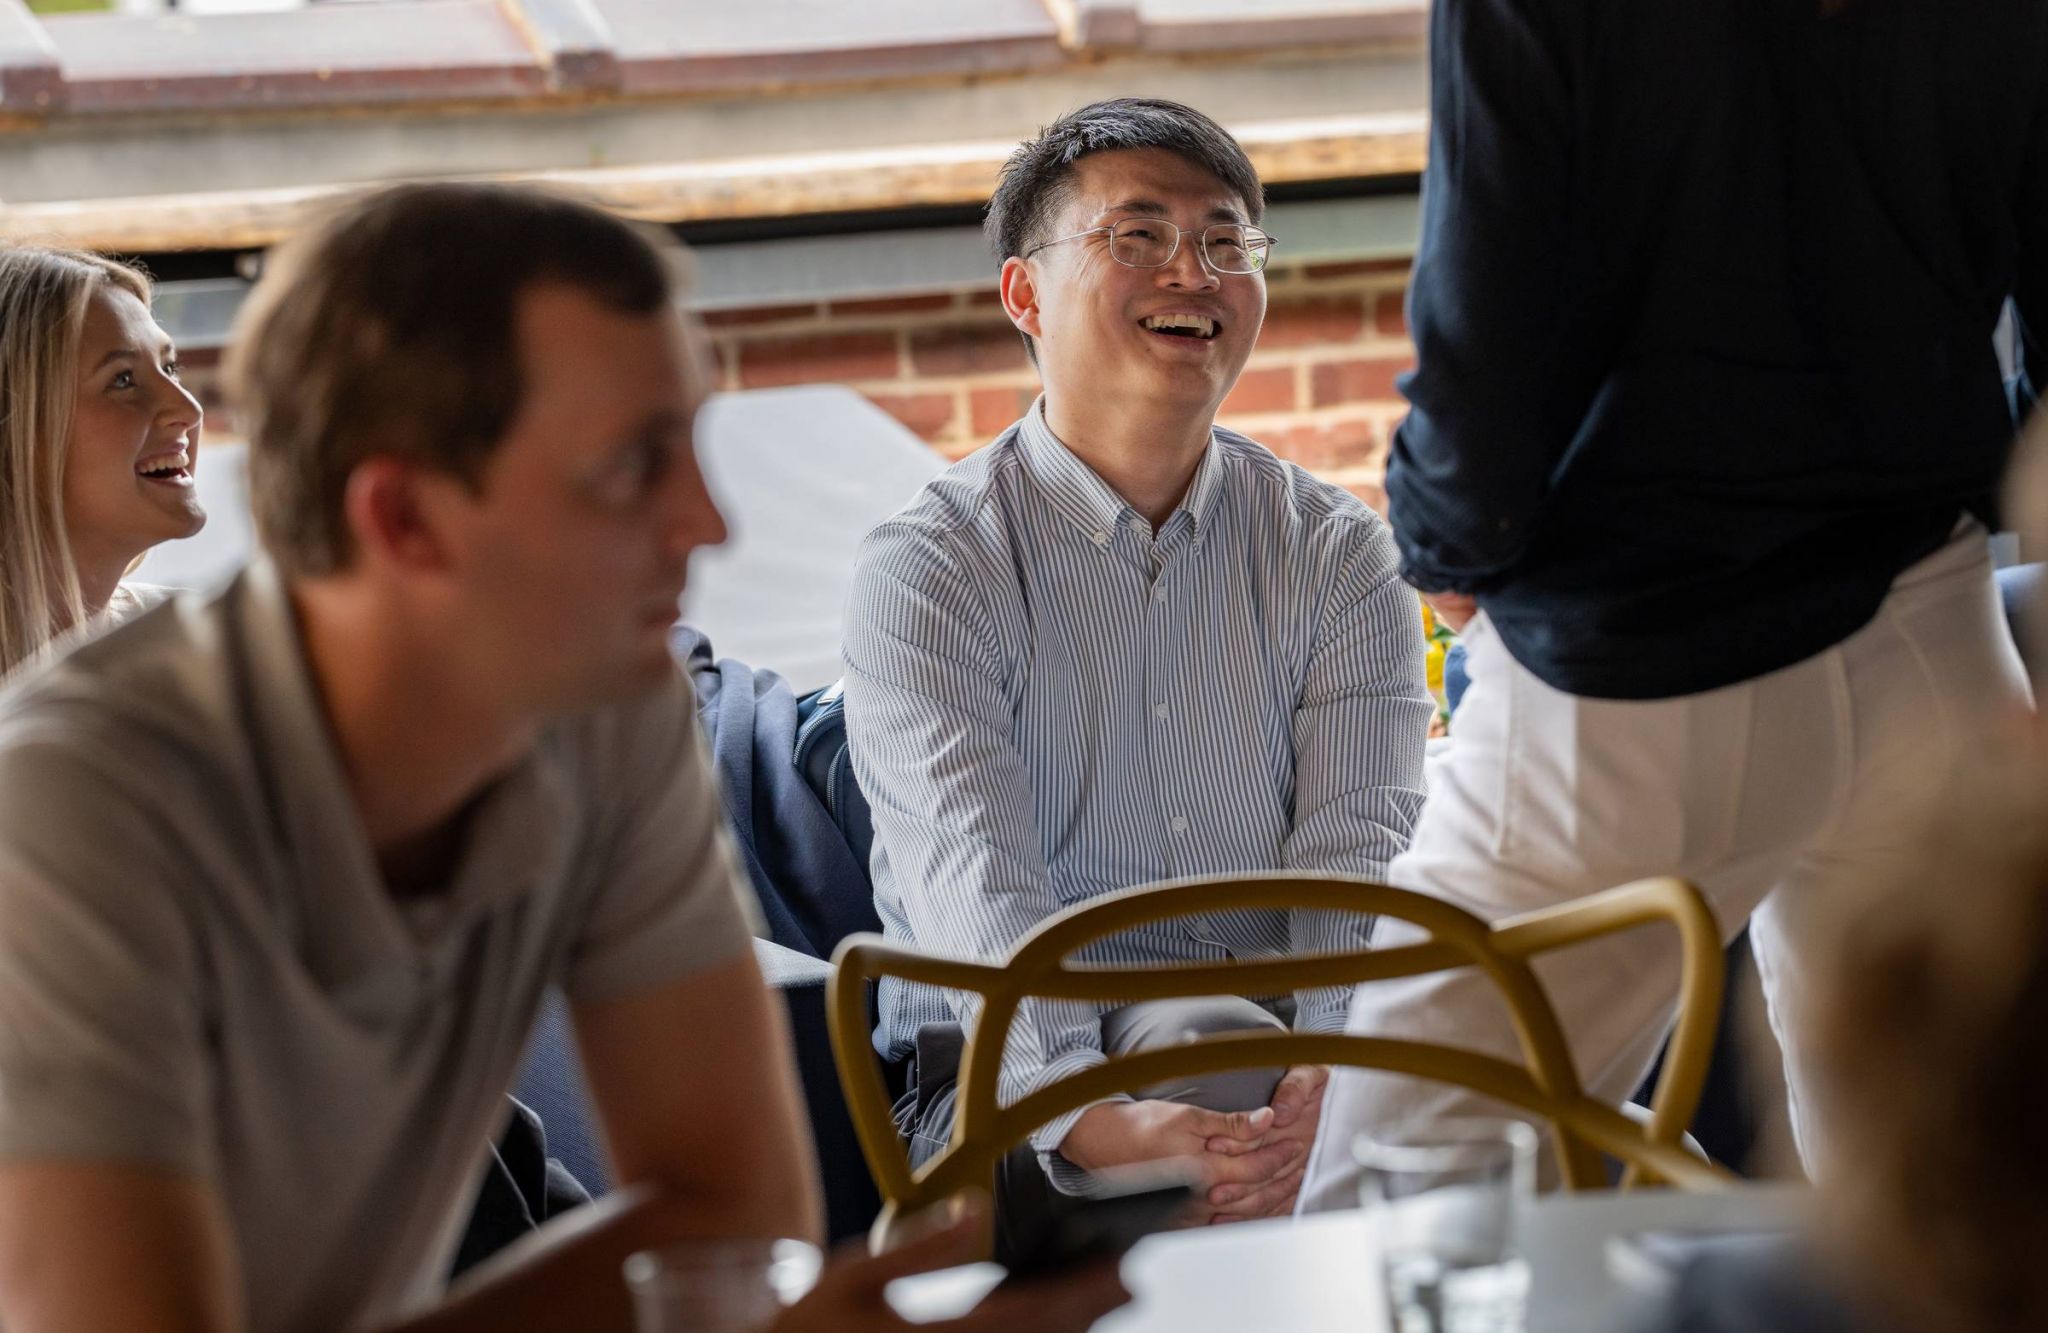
[(164, 463), (1201, 324)]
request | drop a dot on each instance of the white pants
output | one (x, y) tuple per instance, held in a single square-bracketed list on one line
[(1754, 792)]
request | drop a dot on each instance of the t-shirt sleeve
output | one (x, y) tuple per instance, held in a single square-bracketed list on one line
[(102, 999), (669, 898)]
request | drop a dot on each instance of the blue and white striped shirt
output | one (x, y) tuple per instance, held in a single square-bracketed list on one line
[(1046, 702)]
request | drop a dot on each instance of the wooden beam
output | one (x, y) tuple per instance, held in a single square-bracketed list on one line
[(786, 185)]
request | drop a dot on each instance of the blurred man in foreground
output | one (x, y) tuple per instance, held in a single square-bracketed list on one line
[(285, 871)]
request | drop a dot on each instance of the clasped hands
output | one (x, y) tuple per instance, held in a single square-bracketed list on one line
[(1248, 1164)]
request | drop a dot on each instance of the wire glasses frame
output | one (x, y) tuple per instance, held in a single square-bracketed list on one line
[(1226, 247)]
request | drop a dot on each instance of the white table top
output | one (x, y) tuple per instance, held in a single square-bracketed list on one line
[(1318, 1273)]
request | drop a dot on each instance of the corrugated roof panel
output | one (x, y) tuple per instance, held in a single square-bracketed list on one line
[(666, 47), (29, 76), (416, 51), (1265, 11), (1224, 25)]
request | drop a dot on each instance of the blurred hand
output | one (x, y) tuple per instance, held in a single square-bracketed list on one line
[(849, 1295), (1297, 1108), (1455, 609)]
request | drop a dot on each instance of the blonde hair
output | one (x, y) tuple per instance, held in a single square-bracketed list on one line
[(44, 293)]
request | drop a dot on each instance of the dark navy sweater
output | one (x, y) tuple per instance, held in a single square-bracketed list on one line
[(1704, 311)]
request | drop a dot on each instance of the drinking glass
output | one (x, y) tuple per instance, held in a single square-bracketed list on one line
[(718, 1286), (1442, 1198)]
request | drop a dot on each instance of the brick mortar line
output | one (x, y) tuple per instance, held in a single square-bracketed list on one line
[(960, 384), (829, 325), (1344, 476), (1331, 411), (1253, 425), (979, 315), (1270, 426), (1315, 354), (1381, 347)]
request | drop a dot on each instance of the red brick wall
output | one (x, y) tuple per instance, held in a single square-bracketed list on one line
[(1319, 388)]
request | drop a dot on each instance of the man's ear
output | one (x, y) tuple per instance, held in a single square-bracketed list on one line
[(1020, 295), (391, 518)]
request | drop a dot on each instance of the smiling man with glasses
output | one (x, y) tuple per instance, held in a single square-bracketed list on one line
[(1119, 645)]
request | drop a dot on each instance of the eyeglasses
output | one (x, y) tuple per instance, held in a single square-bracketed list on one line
[(1226, 247)]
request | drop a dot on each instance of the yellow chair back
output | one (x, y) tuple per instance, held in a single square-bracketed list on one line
[(1583, 1129)]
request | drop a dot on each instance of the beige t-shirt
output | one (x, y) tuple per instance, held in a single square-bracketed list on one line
[(200, 967)]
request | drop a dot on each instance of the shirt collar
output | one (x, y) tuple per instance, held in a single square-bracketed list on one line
[(1070, 485), (1084, 499), (1206, 488)]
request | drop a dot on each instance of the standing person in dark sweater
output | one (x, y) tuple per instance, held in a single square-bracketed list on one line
[(1707, 420)]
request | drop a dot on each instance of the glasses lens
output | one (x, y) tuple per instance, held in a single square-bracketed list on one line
[(1142, 242), (1233, 248)]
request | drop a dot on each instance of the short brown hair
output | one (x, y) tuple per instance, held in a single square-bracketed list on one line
[(388, 330)]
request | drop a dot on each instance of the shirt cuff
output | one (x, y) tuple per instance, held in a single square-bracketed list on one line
[(1046, 1139), (1426, 578), (1065, 1176)]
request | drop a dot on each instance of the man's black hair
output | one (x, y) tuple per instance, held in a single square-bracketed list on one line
[(1039, 177)]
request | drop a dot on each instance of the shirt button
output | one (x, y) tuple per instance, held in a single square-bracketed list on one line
[(1159, 594), (1178, 824), (1159, 711), (1102, 539)]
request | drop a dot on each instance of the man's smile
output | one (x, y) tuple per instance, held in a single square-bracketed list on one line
[(1183, 324)]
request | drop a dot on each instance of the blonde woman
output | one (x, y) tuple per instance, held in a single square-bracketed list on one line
[(98, 442)]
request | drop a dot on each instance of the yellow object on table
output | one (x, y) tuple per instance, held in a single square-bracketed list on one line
[(1437, 638)]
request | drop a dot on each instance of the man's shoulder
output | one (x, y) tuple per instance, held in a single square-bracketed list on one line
[(149, 700), (121, 778), (162, 673), (956, 514), (1274, 487)]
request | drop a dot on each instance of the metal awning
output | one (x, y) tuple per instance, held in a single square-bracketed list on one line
[(147, 135)]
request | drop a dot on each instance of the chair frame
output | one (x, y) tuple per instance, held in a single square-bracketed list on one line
[(1583, 1128)]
